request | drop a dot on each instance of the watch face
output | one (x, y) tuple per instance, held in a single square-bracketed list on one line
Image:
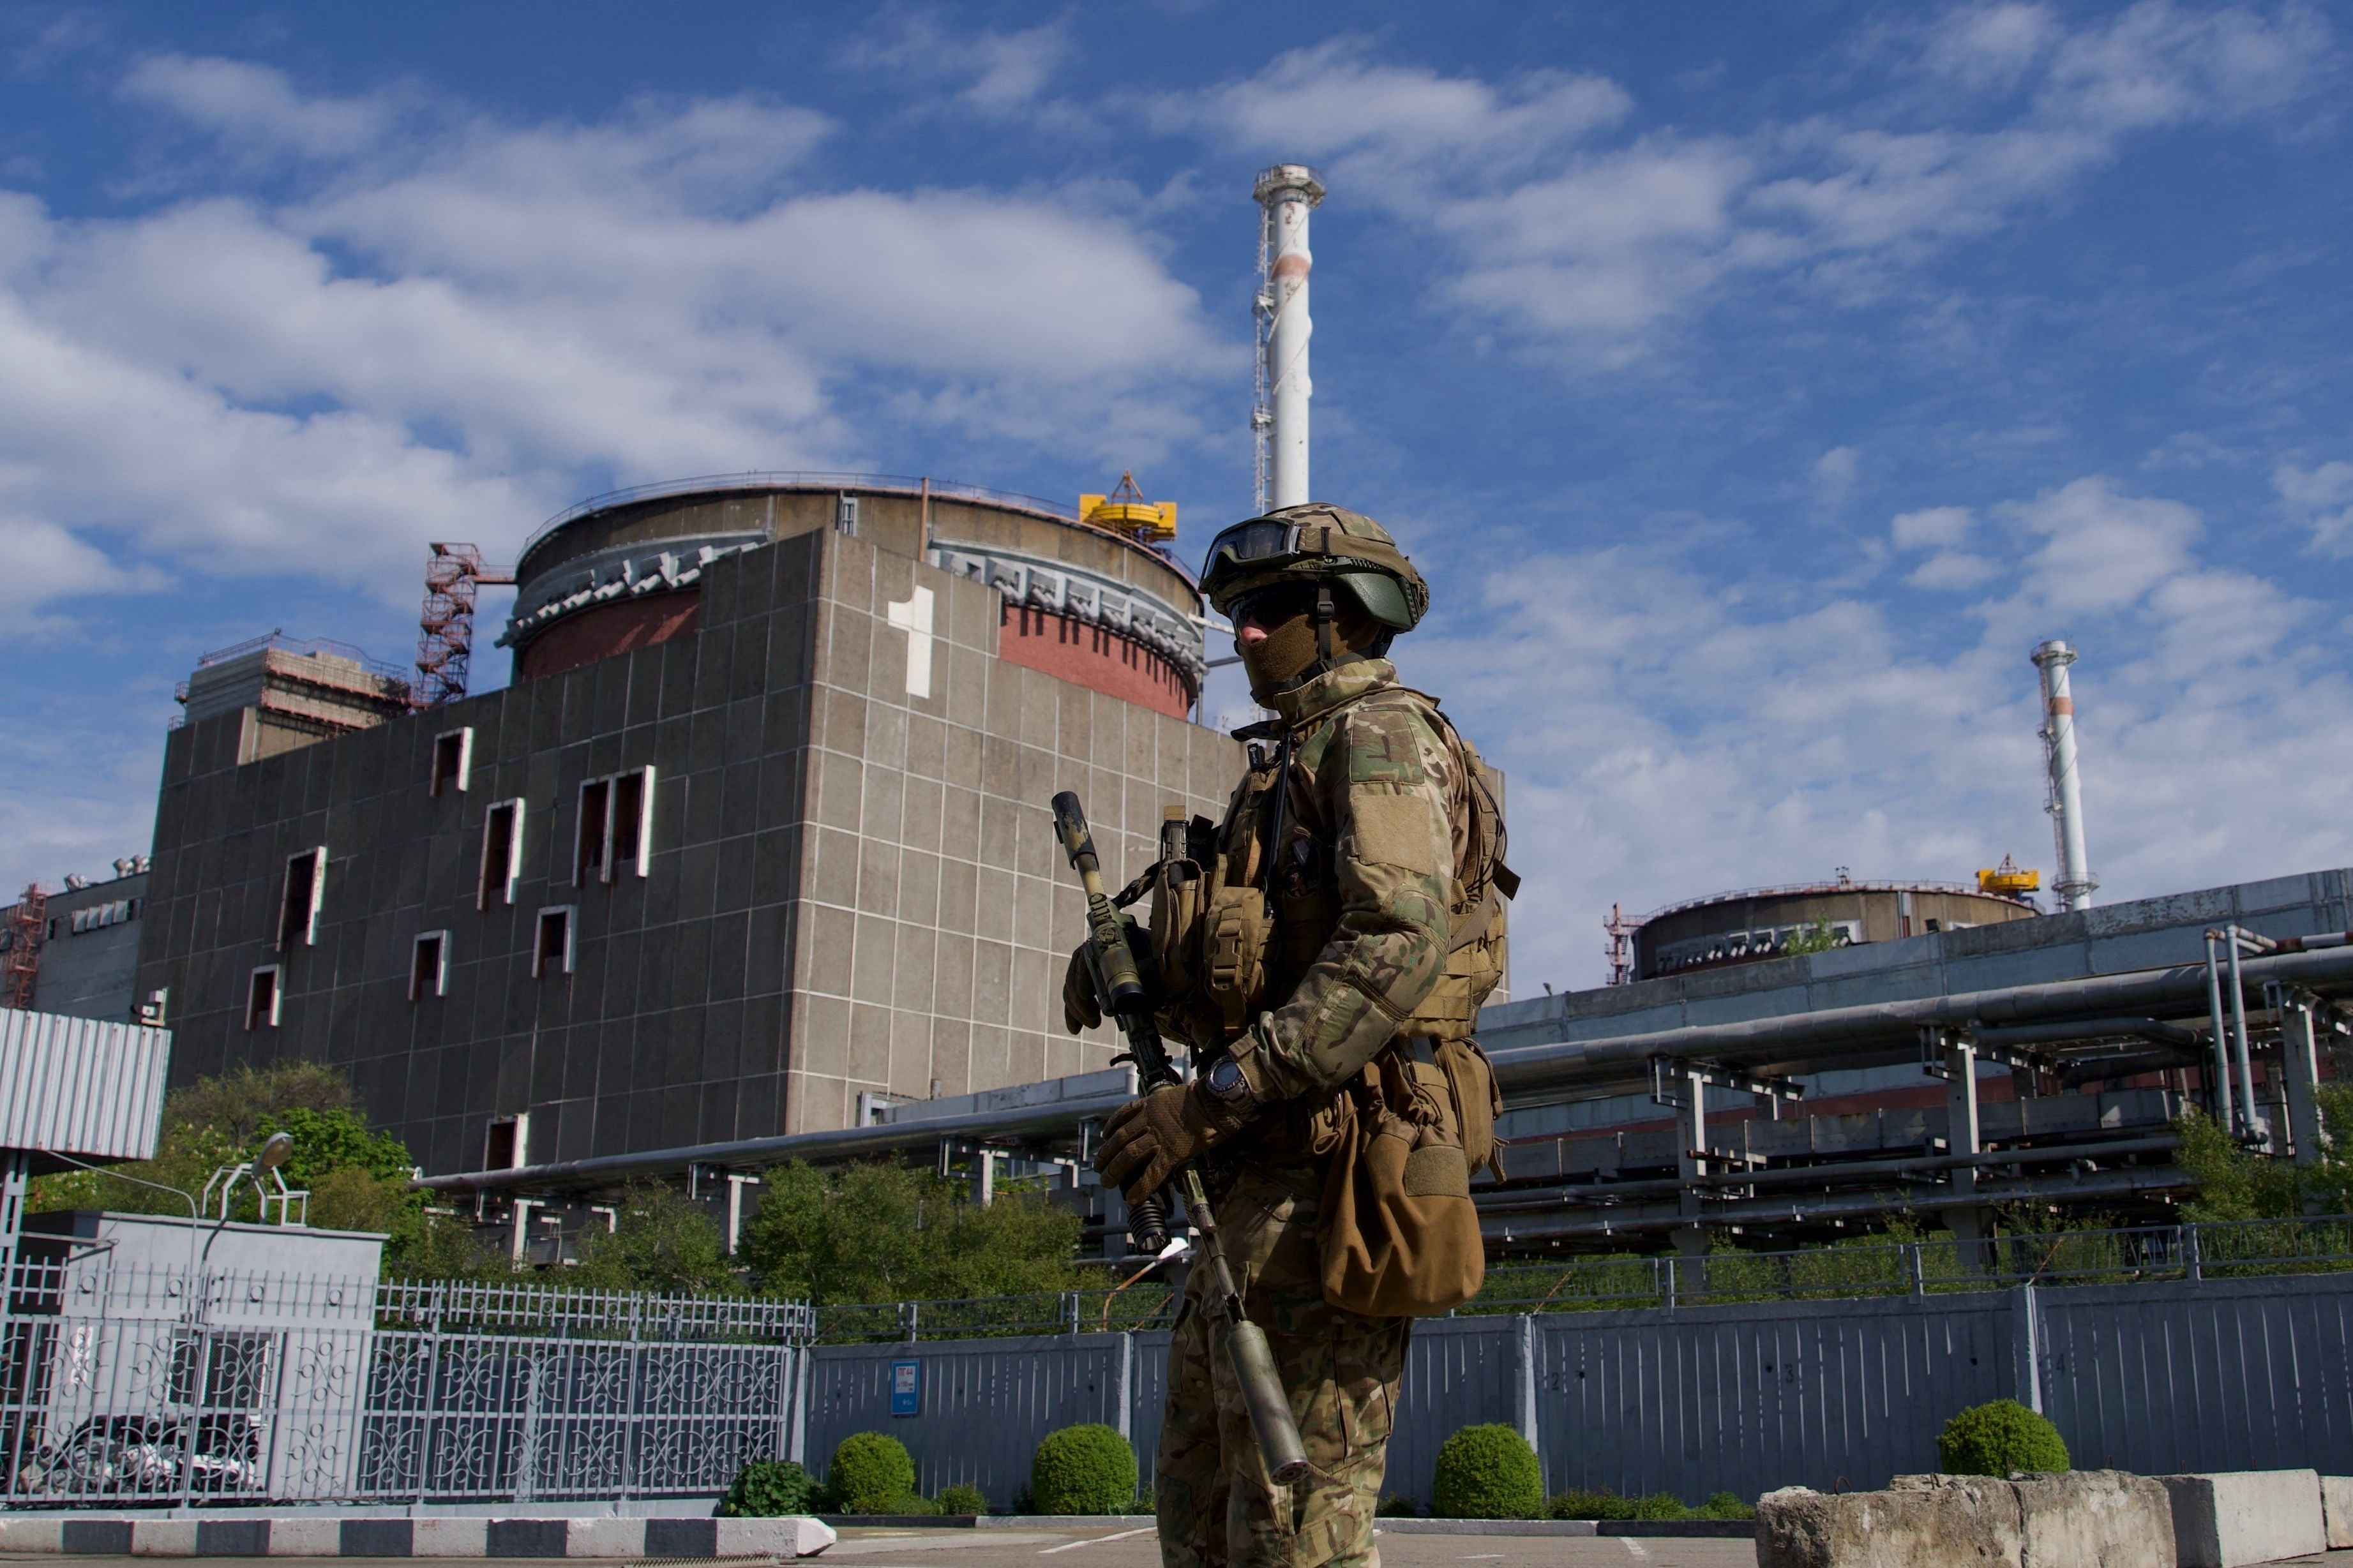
[(1225, 1078)]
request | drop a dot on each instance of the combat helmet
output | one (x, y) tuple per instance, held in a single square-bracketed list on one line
[(1316, 543)]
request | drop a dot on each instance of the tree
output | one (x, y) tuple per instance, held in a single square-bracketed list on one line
[(891, 1232), (1819, 937), (357, 1179), (2235, 1183), (660, 1241)]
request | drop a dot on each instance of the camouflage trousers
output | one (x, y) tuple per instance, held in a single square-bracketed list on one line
[(1218, 1506)]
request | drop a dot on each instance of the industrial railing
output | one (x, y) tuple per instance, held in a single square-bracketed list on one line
[(945, 490)]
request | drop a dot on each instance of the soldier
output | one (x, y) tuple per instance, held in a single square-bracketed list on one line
[(1342, 914)]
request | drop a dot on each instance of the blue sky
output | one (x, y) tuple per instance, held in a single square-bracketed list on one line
[(1757, 385)]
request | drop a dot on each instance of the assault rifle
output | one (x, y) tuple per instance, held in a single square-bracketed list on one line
[(1120, 993)]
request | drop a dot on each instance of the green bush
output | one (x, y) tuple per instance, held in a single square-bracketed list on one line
[(1659, 1505), (871, 1473), (1578, 1503), (913, 1504), (1726, 1505), (1997, 1438), (1487, 1472), (1395, 1507), (1084, 1469), (963, 1498), (767, 1488)]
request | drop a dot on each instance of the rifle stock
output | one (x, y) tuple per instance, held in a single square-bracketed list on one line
[(1121, 994)]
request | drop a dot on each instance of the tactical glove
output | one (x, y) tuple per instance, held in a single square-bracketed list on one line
[(1145, 1140), (1081, 1011)]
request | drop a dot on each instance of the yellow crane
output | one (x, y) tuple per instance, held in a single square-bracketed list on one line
[(2008, 879), (1125, 511)]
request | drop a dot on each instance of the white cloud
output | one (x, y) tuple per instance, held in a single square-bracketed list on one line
[(257, 106), (449, 331), (2320, 499), (996, 73), (1943, 526), (1564, 235), (1668, 736), (1954, 571)]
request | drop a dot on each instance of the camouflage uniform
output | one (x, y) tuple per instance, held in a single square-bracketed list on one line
[(1373, 778)]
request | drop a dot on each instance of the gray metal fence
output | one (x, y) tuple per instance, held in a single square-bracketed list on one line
[(123, 1385)]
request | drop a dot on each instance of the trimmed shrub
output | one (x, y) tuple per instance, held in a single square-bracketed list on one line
[(1487, 1472), (962, 1499), (1084, 1469), (1998, 1439), (1578, 1503), (871, 1473), (1726, 1505), (768, 1488)]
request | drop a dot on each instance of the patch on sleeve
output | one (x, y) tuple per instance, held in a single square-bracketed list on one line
[(1382, 748), (1398, 830)]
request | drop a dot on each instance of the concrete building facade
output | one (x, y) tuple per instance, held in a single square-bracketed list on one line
[(88, 945), (714, 883)]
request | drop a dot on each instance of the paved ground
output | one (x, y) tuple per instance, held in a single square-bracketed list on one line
[(873, 1548)]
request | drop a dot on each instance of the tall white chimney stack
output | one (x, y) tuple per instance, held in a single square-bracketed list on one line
[(2076, 883), (1286, 193)]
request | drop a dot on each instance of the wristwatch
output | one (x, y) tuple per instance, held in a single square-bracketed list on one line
[(1225, 1084)]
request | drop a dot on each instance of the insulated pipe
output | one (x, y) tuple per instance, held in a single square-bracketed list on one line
[(1288, 193), (2221, 1031), (1513, 1230), (2085, 1029), (1803, 1042), (2250, 1122), (1055, 1117), (1846, 1036), (1511, 1199), (2075, 882)]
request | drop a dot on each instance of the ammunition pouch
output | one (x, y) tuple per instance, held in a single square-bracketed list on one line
[(1397, 1235)]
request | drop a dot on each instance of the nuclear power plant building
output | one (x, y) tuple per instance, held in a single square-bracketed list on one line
[(759, 829)]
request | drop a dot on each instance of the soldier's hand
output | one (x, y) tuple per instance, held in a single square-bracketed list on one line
[(1081, 1011), (1145, 1140)]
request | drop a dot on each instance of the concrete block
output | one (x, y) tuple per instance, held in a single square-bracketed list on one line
[(2233, 1517), (374, 1538), (798, 1536), (2335, 1510), (604, 1538), (95, 1537), (1922, 1520), (525, 1538), (232, 1538), (2097, 1518), (449, 1538), (37, 1534), (164, 1538), (681, 1537), (306, 1538)]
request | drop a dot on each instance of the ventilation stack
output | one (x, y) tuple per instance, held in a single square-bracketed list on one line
[(2076, 883), (1286, 193)]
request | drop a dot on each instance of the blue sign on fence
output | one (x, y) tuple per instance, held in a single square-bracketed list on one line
[(906, 1388)]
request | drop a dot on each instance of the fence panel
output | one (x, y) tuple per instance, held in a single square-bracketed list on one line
[(1147, 1392), (2222, 1375), (1459, 1371), (1749, 1399), (984, 1404)]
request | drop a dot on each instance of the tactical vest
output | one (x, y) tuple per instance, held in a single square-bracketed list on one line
[(1242, 907)]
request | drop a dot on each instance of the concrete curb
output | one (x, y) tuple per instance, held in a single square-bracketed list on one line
[(135, 1535)]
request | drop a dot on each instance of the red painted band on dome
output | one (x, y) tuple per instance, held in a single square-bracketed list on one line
[(587, 636), (1071, 650)]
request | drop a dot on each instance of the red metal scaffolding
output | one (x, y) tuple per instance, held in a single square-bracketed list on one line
[(445, 641), (28, 926)]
